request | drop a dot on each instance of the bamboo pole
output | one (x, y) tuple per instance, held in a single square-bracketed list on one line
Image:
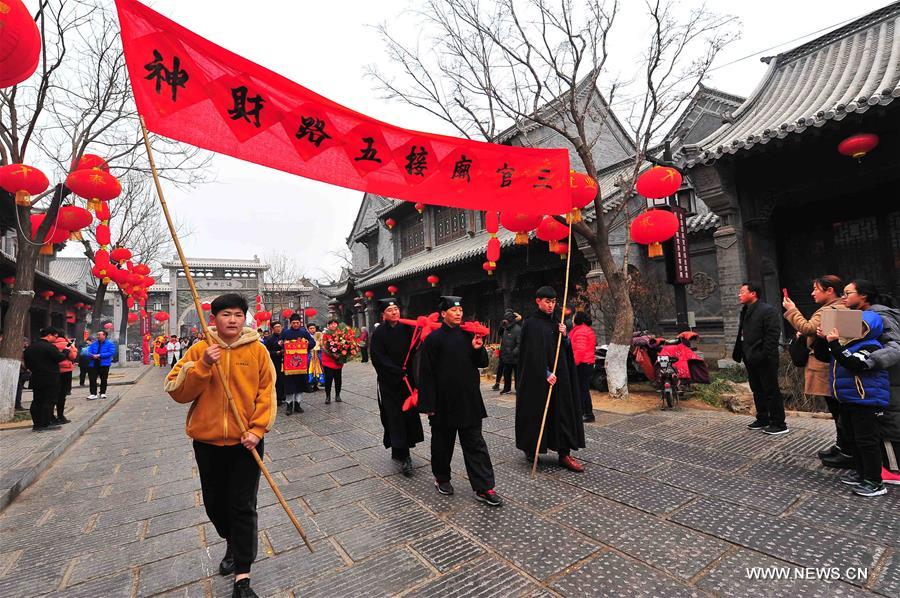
[(196, 297), (562, 320)]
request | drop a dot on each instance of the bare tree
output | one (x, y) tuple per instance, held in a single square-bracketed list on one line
[(79, 100), (484, 65), (282, 280)]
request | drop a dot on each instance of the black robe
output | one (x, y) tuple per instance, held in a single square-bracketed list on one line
[(449, 381), (564, 429), (388, 347), (276, 353), (297, 383)]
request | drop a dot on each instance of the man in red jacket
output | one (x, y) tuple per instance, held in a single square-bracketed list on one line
[(584, 344), (67, 347)]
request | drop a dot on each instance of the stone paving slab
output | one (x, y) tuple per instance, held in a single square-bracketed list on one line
[(672, 503)]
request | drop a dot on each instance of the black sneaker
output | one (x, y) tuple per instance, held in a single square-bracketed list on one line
[(505, 392), (831, 451), (870, 488), (289, 409), (588, 418), (776, 430), (495, 387), (851, 479), (445, 488), (490, 498), (839, 461), (298, 408), (242, 589), (337, 399), (327, 399), (63, 420), (756, 425), (407, 469), (226, 567)]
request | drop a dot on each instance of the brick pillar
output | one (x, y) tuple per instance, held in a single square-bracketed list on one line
[(732, 269)]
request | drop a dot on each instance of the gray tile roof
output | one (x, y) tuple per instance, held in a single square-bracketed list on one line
[(702, 222), (202, 262), (70, 270), (848, 70), (442, 255)]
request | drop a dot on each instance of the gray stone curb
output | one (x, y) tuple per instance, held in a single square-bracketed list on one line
[(29, 474)]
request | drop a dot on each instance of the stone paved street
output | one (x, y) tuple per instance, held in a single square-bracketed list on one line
[(671, 504)]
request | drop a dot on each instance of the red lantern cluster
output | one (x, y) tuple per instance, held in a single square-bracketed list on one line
[(659, 182), (286, 313), (23, 182), (132, 317), (262, 316), (20, 44), (161, 316), (519, 223), (433, 280), (120, 254), (310, 312), (652, 228)]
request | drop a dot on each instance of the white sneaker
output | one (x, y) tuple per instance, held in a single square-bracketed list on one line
[(103, 396), (92, 398)]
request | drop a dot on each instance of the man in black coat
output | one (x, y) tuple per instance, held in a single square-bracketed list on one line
[(757, 346), (450, 393), (389, 347), (42, 358), (275, 346), (509, 350), (564, 428), (296, 385)]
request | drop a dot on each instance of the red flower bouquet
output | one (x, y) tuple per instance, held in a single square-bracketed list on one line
[(340, 345)]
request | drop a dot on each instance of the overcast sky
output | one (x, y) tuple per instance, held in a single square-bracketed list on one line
[(326, 46)]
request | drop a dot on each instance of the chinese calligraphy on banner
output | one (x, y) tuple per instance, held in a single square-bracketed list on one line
[(191, 90)]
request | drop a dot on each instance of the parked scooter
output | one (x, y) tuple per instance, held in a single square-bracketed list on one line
[(668, 380)]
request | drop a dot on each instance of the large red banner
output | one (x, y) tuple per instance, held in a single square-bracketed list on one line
[(191, 90)]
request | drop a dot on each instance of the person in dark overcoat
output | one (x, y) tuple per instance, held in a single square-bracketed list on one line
[(564, 428), (296, 385), (389, 347), (275, 346), (450, 393)]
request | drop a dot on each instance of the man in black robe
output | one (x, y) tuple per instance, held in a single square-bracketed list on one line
[(275, 346), (564, 429), (296, 385), (450, 393), (389, 347)]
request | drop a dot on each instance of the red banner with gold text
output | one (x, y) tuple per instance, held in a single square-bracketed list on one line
[(191, 90)]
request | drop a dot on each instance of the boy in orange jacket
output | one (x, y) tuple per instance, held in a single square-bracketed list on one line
[(229, 475)]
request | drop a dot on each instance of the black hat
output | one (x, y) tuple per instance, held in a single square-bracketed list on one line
[(295, 317), (383, 304), (546, 292), (48, 331), (448, 301)]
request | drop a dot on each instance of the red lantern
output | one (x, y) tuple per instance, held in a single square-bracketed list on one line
[(54, 236), (433, 280), (392, 289), (73, 219), (46, 294), (420, 207), (262, 316), (492, 222), (120, 254), (108, 326), (489, 267), (584, 191), (23, 181), (70, 316), (78, 305), (206, 306), (161, 316), (369, 294), (520, 224), (132, 317), (94, 185), (562, 248), (20, 44), (9, 280), (103, 235), (857, 146), (89, 161), (102, 211), (142, 269), (659, 182), (390, 223), (310, 312), (552, 230), (60, 298), (493, 250), (286, 313), (652, 228)]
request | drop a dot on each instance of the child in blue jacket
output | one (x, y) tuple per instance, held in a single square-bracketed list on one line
[(864, 394)]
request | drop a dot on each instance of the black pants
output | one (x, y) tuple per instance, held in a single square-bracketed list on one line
[(840, 436), (364, 352), (475, 454), (499, 372), (279, 383), (585, 371), (507, 372), (65, 388), (763, 378), (23, 378), (332, 375), (84, 364), (43, 399), (864, 437), (103, 372), (229, 481)]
